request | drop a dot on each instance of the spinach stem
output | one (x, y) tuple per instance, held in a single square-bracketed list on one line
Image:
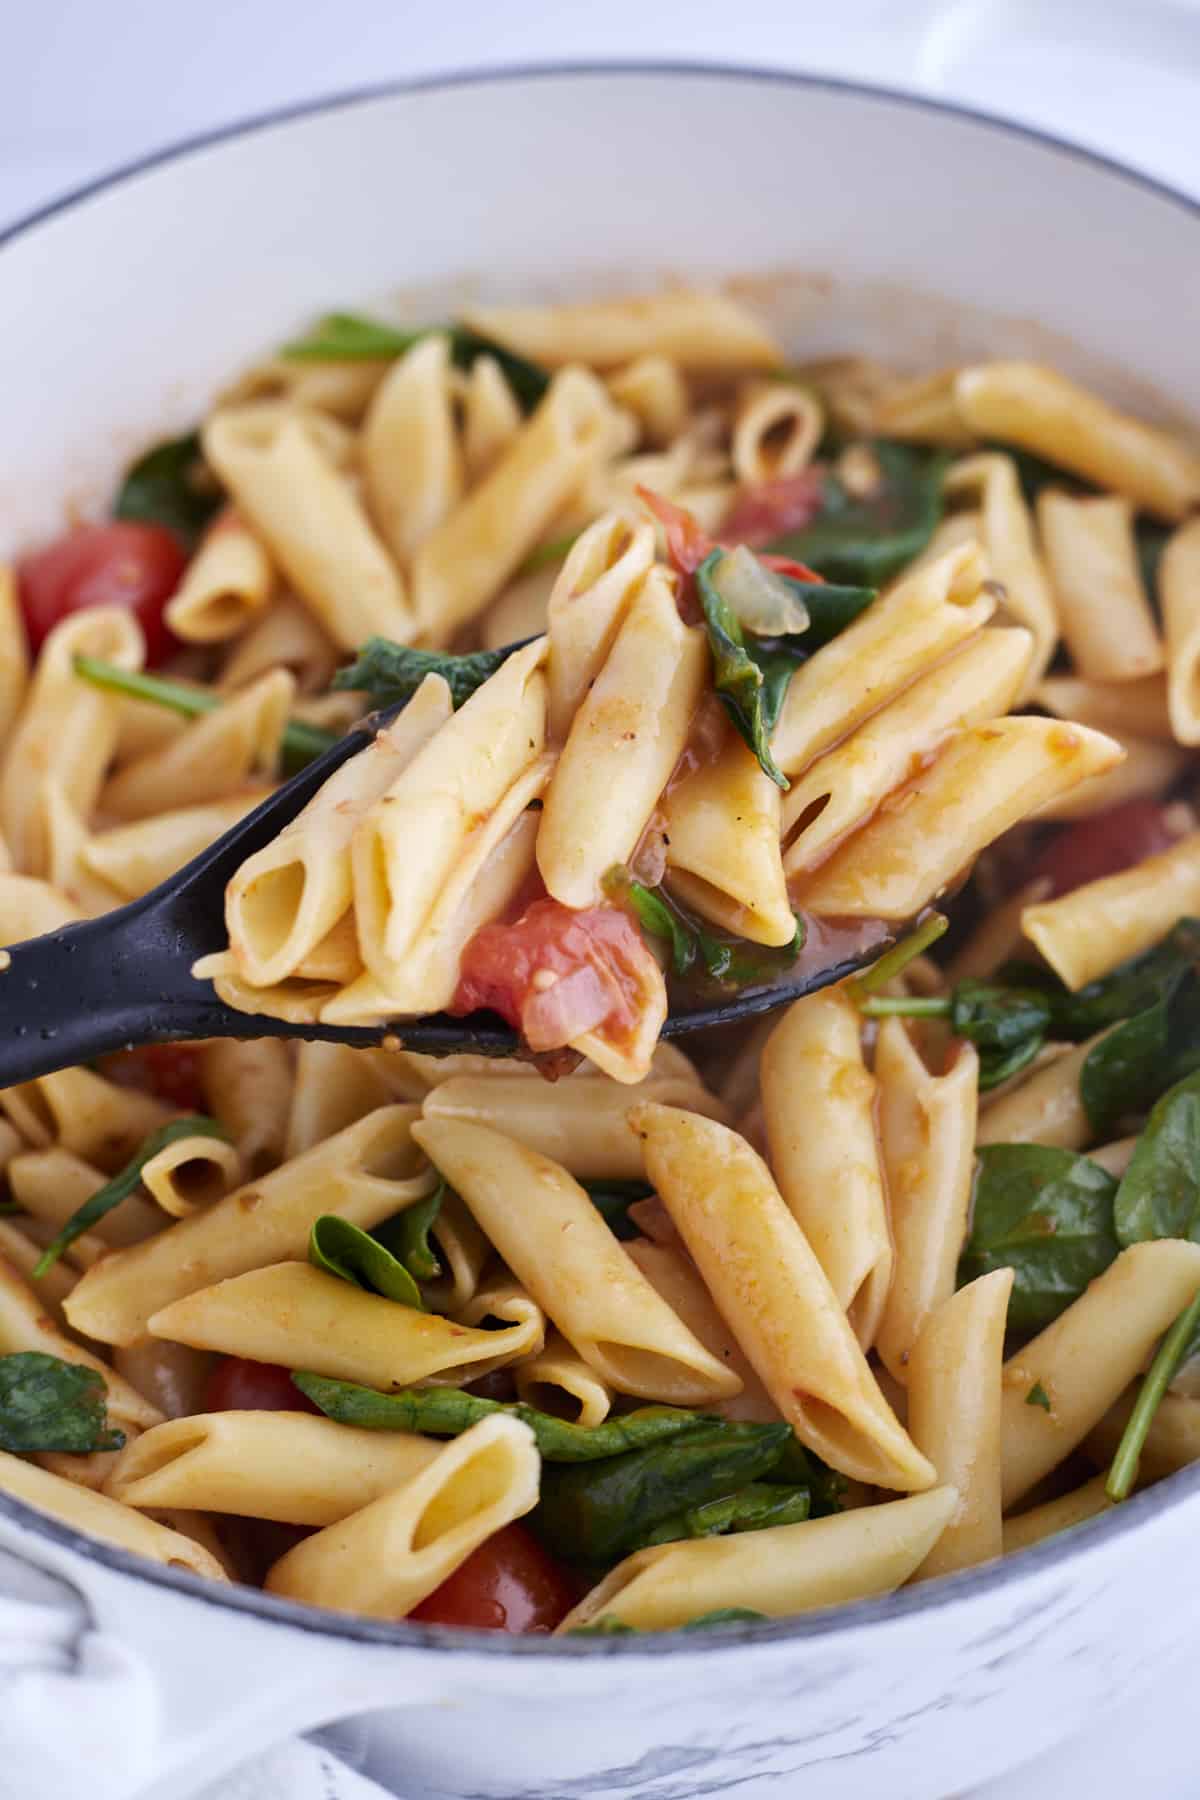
[(300, 743), (1159, 1376), (914, 1007), (894, 961)]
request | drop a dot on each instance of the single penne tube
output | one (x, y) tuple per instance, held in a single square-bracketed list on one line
[(53, 1183), (24, 1325), (293, 1314), (1088, 932), (918, 621), (1146, 769), (1172, 1442), (466, 559), (65, 725), (88, 1471), (1103, 611), (23, 1255), (998, 937), (845, 786), (583, 1125), (103, 1518), (1011, 550), (491, 417), (769, 1287), (1127, 709), (699, 331), (1086, 1359), (191, 1173), (366, 1173), (65, 836), (81, 1111), (563, 1253), (384, 1559), (1053, 1516), (30, 906), (521, 611), (652, 388), (722, 825), (458, 777), (341, 389), (588, 603), (229, 580), (494, 869), (248, 1086), (922, 411), (289, 895), (1179, 589), (286, 636), (624, 741), (558, 1381), (297, 1001), (927, 1143), (783, 1570), (334, 1085), (777, 426), (954, 1416), (287, 1466), (214, 757), (1038, 409), (987, 779), (411, 462), (824, 1153), (672, 1273), (1115, 1156), (463, 1254), (14, 651), (1045, 1108), (134, 858), (284, 483)]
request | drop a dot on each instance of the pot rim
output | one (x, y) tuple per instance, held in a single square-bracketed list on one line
[(1087, 1539)]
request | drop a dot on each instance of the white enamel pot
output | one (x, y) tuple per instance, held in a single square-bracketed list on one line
[(912, 229)]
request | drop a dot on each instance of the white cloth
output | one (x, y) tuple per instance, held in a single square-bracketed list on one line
[(79, 1712)]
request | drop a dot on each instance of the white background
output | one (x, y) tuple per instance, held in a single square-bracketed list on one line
[(91, 84)]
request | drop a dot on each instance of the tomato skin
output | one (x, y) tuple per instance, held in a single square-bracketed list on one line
[(771, 509), (509, 1584), (169, 1071), (125, 564), (239, 1385), (1104, 845), (688, 544)]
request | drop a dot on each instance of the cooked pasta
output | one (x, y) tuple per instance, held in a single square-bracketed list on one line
[(690, 674)]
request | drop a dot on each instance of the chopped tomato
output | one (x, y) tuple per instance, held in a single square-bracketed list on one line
[(123, 564), (767, 511), (239, 1385), (169, 1071), (555, 973), (1104, 845), (509, 1584), (688, 544)]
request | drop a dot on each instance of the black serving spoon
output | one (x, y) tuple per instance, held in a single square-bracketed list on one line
[(125, 978)]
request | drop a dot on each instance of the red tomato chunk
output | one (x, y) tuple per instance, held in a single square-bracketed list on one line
[(1104, 845), (124, 564), (239, 1385), (509, 1584)]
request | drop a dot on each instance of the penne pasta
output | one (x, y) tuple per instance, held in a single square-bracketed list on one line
[(227, 584), (1086, 933), (1126, 709), (1040, 1522), (558, 1381), (411, 461), (588, 604), (697, 331), (14, 652), (132, 859), (190, 1174), (1102, 606), (24, 1326), (1011, 551), (1045, 1108), (777, 426), (1172, 1441), (671, 1272), (248, 1086), (1179, 587), (652, 388)]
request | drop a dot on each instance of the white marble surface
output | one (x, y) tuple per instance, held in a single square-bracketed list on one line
[(90, 85)]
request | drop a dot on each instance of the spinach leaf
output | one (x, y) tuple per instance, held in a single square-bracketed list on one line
[(407, 1236), (1128, 989), (1159, 1193), (49, 1404), (300, 743), (343, 1249), (612, 1200), (1037, 1396), (608, 1625), (751, 685), (1177, 1346), (124, 1183), (446, 1412), (752, 1508), (831, 608), (171, 485), (599, 1511), (1034, 473), (800, 1467), (866, 541), (391, 672), (349, 337), (1149, 542), (733, 961), (1143, 1056), (1047, 1214), (1007, 1025)]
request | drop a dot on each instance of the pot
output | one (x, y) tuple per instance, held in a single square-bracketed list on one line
[(887, 223)]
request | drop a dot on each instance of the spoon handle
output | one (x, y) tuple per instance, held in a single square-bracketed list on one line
[(101, 985)]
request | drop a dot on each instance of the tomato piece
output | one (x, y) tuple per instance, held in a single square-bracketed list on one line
[(239, 1385), (688, 545), (1104, 845), (509, 1584), (771, 509), (555, 973), (123, 564), (169, 1071)]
